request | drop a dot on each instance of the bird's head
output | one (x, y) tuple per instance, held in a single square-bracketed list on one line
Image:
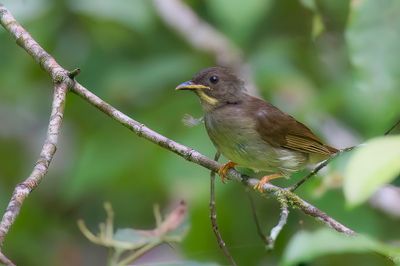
[(215, 86)]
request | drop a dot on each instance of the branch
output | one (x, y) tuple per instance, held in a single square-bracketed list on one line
[(25, 40), (62, 82), (260, 233), (5, 260), (275, 231), (281, 223), (22, 190), (392, 128), (319, 167), (213, 216)]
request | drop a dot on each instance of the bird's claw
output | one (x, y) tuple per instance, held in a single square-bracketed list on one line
[(264, 180), (224, 170)]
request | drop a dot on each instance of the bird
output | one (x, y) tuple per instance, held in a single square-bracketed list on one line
[(251, 132)]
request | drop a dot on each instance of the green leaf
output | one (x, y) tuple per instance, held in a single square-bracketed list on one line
[(237, 18), (306, 246), (371, 166)]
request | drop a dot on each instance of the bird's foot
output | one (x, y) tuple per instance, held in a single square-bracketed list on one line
[(224, 170), (264, 180)]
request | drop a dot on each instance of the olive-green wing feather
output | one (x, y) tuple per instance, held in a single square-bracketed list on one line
[(282, 130)]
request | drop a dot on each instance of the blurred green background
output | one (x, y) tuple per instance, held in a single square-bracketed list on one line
[(334, 65)]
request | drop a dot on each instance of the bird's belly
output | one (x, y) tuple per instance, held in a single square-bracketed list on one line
[(242, 145)]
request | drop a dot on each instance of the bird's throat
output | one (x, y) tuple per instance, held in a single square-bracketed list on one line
[(207, 99)]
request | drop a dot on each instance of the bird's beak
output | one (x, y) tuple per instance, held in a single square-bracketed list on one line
[(189, 85)]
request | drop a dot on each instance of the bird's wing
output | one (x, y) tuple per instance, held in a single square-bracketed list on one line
[(282, 130)]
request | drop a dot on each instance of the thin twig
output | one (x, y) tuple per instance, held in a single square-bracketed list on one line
[(213, 216), (5, 260), (270, 240), (23, 189), (282, 222), (25, 41), (393, 127), (299, 203), (74, 73), (260, 233), (318, 168), (327, 161)]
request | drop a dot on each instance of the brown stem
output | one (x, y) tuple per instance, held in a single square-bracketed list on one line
[(213, 216), (22, 190), (260, 233), (393, 127), (320, 166), (270, 240)]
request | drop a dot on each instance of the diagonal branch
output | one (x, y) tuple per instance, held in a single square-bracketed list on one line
[(319, 167), (5, 260), (25, 40), (327, 161)]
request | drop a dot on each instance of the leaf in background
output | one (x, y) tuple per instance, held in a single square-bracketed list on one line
[(371, 166), (238, 18), (307, 246), (373, 39)]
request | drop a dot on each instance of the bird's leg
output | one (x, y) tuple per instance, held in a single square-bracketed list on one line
[(224, 170), (264, 180)]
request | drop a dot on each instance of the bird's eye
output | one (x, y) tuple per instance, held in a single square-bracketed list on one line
[(214, 79)]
